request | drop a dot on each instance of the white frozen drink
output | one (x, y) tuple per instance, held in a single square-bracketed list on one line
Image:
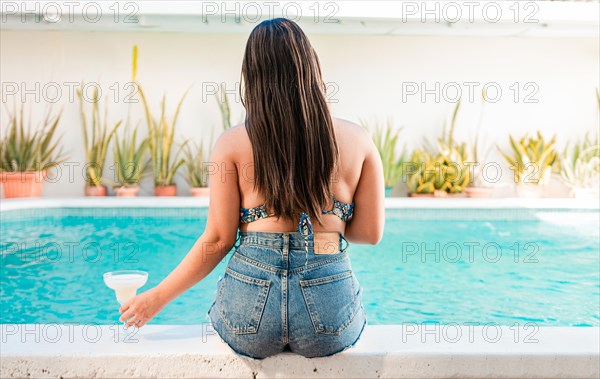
[(125, 283)]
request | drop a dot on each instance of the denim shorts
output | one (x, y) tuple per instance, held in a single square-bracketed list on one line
[(277, 295)]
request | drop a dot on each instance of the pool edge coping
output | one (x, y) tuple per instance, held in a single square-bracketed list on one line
[(390, 203), (176, 350)]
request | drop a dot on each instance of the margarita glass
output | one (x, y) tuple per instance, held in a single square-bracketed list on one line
[(125, 283)]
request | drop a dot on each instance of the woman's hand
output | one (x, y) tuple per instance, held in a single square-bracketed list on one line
[(140, 309)]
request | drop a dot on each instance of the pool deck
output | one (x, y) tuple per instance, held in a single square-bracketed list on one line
[(386, 351)]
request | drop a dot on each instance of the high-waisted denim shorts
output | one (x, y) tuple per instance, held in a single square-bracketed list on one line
[(276, 295)]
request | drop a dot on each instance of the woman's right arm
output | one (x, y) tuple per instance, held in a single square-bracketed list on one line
[(210, 248), (368, 220)]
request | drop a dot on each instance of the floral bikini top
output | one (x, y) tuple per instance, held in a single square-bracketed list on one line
[(342, 210)]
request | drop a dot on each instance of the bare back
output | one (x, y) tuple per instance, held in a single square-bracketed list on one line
[(356, 149)]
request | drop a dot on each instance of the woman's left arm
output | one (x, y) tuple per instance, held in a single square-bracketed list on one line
[(217, 240)]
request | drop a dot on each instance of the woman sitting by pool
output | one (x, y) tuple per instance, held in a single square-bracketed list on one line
[(299, 184)]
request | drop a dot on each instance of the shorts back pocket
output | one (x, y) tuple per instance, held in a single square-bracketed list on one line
[(242, 300), (332, 301)]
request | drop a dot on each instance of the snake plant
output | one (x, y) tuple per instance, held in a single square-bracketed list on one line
[(130, 159), (532, 158), (580, 166), (23, 149), (97, 136), (385, 139)]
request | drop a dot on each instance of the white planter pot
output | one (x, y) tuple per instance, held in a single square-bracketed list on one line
[(530, 190), (585, 193)]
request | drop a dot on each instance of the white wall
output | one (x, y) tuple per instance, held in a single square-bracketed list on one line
[(367, 71)]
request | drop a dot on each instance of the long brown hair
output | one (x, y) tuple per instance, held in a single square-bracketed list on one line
[(288, 120)]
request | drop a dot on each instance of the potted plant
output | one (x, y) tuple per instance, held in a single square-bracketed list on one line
[(161, 137), (440, 169), (477, 186), (420, 182), (532, 159), (580, 167), (130, 164), (196, 156), (439, 175), (197, 173), (97, 136), (386, 142), (27, 155)]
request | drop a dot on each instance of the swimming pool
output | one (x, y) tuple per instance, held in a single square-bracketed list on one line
[(467, 266)]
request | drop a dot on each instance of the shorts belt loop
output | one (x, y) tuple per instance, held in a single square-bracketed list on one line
[(286, 244)]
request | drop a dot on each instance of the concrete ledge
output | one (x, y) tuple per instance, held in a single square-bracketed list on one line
[(386, 351)]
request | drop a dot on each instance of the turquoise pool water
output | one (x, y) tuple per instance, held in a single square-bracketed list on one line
[(463, 266)]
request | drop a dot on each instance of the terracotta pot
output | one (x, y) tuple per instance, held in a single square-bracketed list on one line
[(200, 191), (95, 191), (411, 194), (165, 190), (478, 192), (530, 190), (23, 184), (125, 191)]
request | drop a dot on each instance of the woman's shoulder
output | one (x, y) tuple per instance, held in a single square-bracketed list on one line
[(236, 140), (233, 141), (347, 127), (352, 133)]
